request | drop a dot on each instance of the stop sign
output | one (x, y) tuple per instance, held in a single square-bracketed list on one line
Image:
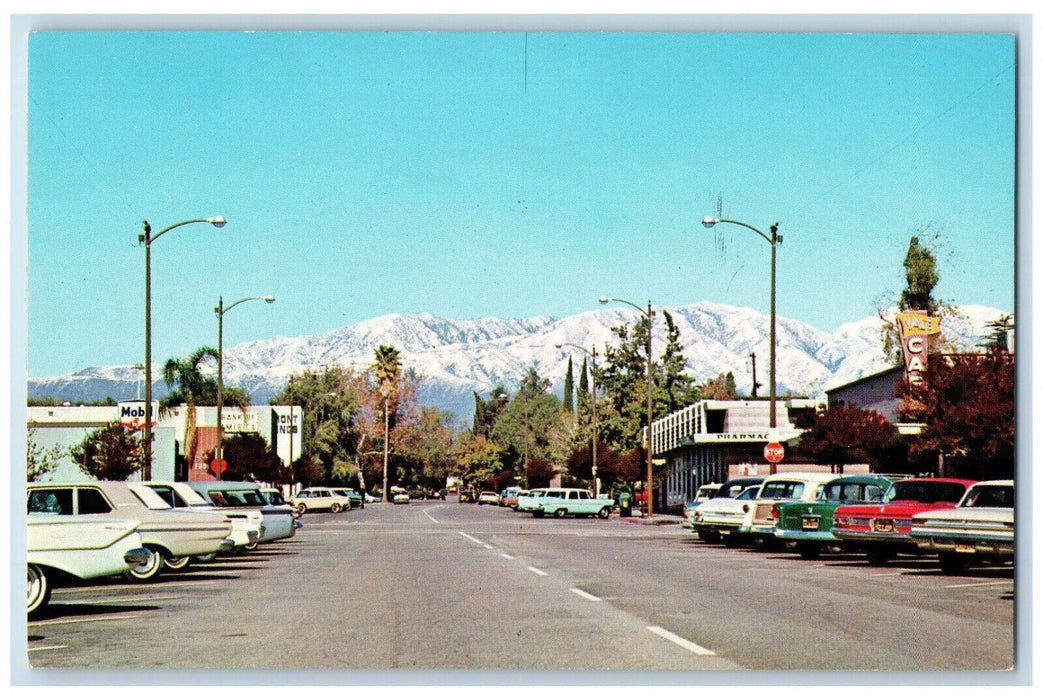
[(218, 468), (774, 452)]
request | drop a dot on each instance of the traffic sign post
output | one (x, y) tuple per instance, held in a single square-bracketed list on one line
[(774, 452)]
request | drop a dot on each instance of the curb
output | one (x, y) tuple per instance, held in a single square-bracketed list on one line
[(654, 520)]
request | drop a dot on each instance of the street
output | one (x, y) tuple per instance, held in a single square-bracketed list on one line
[(443, 585)]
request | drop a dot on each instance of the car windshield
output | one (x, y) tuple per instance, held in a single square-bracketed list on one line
[(274, 498), (782, 489), (237, 497), (847, 492), (749, 494), (926, 492), (989, 496)]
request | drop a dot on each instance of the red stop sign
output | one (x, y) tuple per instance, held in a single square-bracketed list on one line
[(774, 452), (218, 468)]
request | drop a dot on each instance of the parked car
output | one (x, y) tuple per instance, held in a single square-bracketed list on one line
[(803, 487), (721, 516), (399, 495), (166, 533), (511, 492), (511, 501), (319, 498), (810, 525), (278, 520), (702, 494), (79, 546), (273, 497), (532, 501), (575, 502), (979, 529), (247, 525), (356, 499), (882, 530), (488, 498)]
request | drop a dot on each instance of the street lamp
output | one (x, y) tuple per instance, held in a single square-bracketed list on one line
[(774, 240), (649, 313), (147, 238), (594, 410), (220, 310)]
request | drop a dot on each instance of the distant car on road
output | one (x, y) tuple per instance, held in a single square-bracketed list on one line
[(575, 502), (488, 498), (531, 502), (399, 495), (356, 499), (320, 498)]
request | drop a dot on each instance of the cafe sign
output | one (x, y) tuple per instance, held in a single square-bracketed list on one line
[(914, 327)]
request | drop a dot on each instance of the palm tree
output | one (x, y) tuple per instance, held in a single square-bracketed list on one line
[(195, 388), (388, 368)]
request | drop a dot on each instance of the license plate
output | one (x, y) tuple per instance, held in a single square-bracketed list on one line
[(883, 526), (809, 523), (965, 548), (725, 532)]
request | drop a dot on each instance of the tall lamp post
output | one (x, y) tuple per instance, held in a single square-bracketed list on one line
[(593, 352), (648, 313), (147, 239), (773, 240), (220, 310)]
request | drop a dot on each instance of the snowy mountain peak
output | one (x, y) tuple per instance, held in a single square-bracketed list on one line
[(455, 358)]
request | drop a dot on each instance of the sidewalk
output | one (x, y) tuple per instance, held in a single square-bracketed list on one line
[(656, 519)]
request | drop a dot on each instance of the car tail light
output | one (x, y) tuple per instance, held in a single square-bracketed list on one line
[(774, 512), (745, 508), (839, 522)]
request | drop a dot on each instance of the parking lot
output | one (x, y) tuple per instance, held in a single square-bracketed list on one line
[(442, 585)]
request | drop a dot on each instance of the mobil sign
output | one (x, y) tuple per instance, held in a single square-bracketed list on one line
[(132, 414)]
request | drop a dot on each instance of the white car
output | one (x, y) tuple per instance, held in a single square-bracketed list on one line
[(805, 487), (979, 528), (165, 532), (488, 498), (399, 495), (247, 524), (84, 546), (278, 520), (320, 498), (722, 518)]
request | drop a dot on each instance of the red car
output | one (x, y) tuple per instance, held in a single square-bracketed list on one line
[(882, 529)]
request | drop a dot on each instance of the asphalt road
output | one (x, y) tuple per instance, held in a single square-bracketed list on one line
[(442, 585)]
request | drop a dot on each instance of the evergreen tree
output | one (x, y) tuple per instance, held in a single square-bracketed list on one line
[(111, 452), (567, 396)]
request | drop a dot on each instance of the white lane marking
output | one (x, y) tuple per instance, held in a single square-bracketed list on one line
[(506, 556), (972, 585), (896, 573), (536, 571), (73, 620), (464, 534), (583, 594), (50, 648), (680, 641), (487, 546), (431, 518)]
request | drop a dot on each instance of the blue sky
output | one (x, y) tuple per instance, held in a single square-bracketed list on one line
[(499, 174)]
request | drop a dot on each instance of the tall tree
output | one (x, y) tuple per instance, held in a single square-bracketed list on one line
[(842, 435), (721, 388), (675, 389), (566, 401), (966, 402), (111, 452), (389, 368)]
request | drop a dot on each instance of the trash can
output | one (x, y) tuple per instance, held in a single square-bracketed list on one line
[(624, 505)]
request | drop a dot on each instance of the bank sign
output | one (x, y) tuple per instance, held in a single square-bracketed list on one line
[(132, 414), (914, 327)]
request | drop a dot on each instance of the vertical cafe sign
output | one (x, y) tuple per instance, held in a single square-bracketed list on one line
[(914, 327)]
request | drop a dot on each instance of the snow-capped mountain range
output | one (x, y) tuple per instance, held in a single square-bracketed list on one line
[(455, 358)]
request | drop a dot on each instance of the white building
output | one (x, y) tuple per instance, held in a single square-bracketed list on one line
[(67, 426)]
